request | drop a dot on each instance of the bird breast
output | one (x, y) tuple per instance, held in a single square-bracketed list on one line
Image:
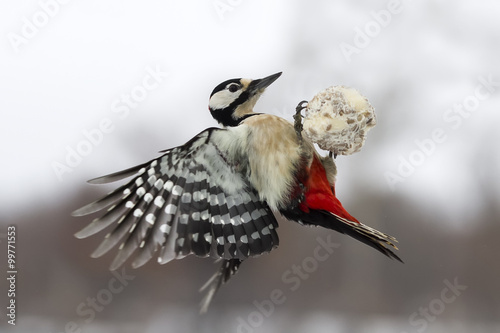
[(274, 156)]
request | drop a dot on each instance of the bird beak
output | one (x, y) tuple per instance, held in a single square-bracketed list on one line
[(257, 86)]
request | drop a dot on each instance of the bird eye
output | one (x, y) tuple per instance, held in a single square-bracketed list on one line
[(233, 87)]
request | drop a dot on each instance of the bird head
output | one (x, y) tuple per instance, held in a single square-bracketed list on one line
[(233, 100)]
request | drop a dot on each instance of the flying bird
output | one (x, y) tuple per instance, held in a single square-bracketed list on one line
[(215, 195)]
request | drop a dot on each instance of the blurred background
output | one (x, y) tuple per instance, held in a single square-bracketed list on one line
[(92, 87)]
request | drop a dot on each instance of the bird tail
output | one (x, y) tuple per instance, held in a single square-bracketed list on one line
[(321, 207), (378, 240)]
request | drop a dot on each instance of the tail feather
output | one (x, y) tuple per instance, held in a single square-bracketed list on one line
[(367, 235), (378, 240)]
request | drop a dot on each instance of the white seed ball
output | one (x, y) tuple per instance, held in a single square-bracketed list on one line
[(338, 118)]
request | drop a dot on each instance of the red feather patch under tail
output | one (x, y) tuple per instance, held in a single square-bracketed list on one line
[(320, 194), (321, 207)]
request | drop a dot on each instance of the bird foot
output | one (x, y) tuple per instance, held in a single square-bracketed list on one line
[(298, 119), (226, 271)]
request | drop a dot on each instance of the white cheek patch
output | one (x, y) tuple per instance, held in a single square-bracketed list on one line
[(223, 99)]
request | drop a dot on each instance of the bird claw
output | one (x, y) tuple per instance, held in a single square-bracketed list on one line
[(300, 106), (298, 119), (226, 271)]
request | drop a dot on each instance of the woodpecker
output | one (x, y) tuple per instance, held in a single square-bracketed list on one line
[(215, 195)]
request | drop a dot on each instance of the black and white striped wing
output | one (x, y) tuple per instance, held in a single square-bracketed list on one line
[(191, 200)]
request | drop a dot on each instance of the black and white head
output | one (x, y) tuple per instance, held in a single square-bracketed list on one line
[(233, 100)]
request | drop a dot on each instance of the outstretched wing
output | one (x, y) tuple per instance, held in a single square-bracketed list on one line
[(191, 200)]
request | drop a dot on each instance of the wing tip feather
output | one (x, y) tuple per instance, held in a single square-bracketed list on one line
[(82, 211)]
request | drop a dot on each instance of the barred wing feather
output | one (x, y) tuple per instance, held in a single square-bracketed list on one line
[(191, 200)]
